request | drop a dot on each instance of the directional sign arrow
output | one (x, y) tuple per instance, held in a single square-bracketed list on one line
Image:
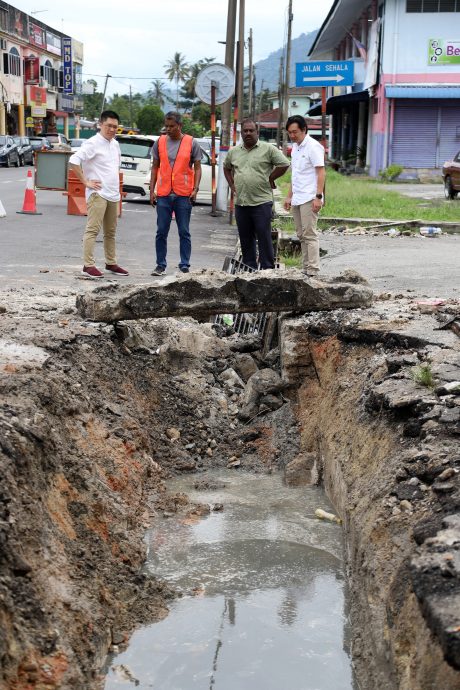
[(337, 78), (325, 73)]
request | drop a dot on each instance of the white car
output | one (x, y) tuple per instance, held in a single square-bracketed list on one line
[(75, 144), (59, 142), (136, 166)]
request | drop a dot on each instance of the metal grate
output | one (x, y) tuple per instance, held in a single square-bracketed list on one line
[(241, 323)]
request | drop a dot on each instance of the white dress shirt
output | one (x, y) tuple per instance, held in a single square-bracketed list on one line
[(305, 157), (100, 159)]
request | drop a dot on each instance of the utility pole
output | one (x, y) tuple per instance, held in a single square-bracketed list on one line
[(226, 108), (240, 75), (259, 106), (288, 75), (251, 76), (131, 123), (230, 62), (107, 76), (281, 102)]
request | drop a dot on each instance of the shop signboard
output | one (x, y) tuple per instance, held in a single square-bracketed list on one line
[(36, 36), (67, 64), (18, 23), (65, 103), (53, 43), (36, 98), (443, 51), (31, 70)]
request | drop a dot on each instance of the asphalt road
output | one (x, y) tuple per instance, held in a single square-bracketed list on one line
[(45, 250)]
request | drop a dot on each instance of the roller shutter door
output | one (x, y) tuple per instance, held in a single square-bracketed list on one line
[(415, 135), (449, 143)]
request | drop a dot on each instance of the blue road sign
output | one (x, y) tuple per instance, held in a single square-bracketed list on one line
[(325, 73)]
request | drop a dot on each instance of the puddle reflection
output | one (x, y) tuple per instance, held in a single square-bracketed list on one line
[(269, 610)]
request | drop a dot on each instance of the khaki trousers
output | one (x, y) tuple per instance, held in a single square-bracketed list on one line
[(306, 220), (101, 213)]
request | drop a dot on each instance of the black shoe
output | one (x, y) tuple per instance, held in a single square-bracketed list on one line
[(159, 270), (184, 269)]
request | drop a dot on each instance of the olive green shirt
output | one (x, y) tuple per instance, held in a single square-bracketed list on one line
[(251, 169)]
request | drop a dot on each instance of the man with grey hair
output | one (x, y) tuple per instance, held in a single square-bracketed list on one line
[(174, 184)]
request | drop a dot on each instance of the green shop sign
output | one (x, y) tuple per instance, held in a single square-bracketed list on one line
[(443, 52)]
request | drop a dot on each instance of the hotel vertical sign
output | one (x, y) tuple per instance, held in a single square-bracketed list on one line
[(67, 64)]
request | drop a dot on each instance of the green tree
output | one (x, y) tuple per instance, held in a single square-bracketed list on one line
[(176, 69), (127, 108), (201, 114), (157, 93), (92, 102), (193, 128), (150, 119), (263, 100), (188, 90)]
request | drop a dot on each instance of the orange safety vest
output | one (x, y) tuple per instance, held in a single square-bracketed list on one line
[(180, 178)]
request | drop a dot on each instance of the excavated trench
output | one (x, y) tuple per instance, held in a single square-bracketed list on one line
[(95, 421)]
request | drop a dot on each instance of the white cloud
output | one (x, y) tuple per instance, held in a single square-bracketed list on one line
[(135, 38)]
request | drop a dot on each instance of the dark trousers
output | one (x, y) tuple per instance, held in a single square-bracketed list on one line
[(255, 229)]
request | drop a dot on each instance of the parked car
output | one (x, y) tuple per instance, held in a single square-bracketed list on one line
[(451, 177), (205, 144), (75, 144), (26, 152), (136, 162), (40, 144), (9, 152), (59, 142)]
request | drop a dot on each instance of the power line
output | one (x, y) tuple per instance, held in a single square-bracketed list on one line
[(87, 74)]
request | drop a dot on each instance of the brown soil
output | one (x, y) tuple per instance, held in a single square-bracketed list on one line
[(91, 424), (362, 457)]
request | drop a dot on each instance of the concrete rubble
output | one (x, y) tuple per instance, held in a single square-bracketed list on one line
[(96, 416), (213, 292)]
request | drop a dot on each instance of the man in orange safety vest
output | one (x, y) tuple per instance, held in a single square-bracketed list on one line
[(174, 184)]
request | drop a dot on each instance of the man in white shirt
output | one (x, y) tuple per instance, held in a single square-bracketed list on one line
[(305, 196), (97, 165)]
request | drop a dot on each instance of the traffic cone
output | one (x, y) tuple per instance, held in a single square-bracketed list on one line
[(29, 206)]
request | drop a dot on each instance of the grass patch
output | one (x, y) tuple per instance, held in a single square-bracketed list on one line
[(423, 375), (284, 224), (291, 260), (356, 197)]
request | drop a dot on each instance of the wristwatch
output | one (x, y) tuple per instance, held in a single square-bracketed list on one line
[(319, 196)]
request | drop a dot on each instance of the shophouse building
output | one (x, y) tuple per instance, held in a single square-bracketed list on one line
[(404, 106), (40, 76)]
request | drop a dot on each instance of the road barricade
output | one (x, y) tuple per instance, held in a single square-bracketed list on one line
[(76, 197)]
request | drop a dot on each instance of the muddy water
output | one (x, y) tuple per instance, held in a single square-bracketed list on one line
[(263, 604)]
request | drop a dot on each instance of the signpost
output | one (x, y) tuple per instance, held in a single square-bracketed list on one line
[(325, 73)]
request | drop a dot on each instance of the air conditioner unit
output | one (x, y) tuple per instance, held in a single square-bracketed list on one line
[(3, 43), (44, 83)]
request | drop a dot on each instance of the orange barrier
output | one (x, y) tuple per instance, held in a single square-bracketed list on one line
[(76, 199), (29, 207)]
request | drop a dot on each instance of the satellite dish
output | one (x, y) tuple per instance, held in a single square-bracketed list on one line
[(224, 81)]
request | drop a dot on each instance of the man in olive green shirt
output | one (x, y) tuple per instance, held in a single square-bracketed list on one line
[(251, 170)]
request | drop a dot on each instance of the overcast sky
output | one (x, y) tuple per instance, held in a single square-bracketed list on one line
[(130, 39)]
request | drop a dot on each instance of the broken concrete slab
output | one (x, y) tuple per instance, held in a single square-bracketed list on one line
[(214, 292)]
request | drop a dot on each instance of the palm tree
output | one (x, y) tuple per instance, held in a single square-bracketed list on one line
[(177, 69), (157, 92), (193, 72)]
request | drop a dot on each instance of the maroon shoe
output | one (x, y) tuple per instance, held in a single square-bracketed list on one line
[(92, 272), (115, 268)]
